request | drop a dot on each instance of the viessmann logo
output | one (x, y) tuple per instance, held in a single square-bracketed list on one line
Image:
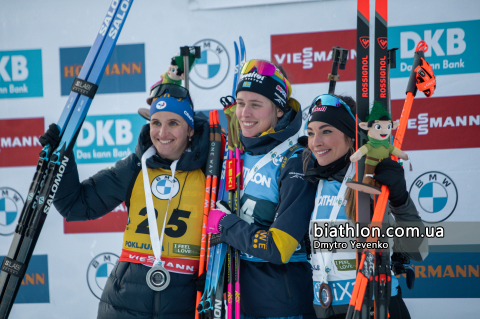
[(441, 123), (306, 55), (19, 144), (125, 71)]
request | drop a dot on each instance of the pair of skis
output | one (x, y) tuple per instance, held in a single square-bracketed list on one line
[(51, 164), (374, 266)]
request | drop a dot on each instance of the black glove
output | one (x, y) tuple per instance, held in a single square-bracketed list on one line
[(200, 281), (51, 136), (391, 174)]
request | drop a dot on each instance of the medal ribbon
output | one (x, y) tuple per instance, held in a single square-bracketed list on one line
[(328, 256), (152, 220)]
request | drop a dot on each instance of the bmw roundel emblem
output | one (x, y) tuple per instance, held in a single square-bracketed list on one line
[(11, 205), (212, 68), (98, 271), (435, 196)]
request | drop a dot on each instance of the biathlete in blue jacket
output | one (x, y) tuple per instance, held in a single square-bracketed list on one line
[(163, 187), (276, 203), (331, 130)]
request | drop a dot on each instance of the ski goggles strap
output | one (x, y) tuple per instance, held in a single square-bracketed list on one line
[(263, 67), (173, 89), (328, 100)]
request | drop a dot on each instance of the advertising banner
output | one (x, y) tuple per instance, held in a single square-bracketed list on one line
[(21, 74), (125, 71)]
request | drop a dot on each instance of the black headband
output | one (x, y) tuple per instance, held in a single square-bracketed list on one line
[(264, 85), (336, 116)]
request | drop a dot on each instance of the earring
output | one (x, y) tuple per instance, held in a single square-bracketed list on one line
[(189, 138)]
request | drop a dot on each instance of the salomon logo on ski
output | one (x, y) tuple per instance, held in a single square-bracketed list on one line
[(55, 185)]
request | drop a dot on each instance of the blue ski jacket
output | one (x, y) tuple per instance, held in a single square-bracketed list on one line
[(126, 294), (275, 276)]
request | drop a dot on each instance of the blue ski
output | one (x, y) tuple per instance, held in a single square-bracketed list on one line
[(51, 166)]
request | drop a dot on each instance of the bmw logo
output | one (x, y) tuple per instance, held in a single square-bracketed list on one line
[(163, 187), (98, 271), (212, 68), (435, 196), (11, 204)]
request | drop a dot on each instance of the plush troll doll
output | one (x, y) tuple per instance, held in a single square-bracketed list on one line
[(379, 126), (176, 70)]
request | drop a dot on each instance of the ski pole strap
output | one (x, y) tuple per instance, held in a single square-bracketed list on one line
[(14, 267), (84, 87)]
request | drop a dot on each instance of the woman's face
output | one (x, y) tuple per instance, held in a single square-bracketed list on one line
[(169, 133), (256, 113), (326, 142)]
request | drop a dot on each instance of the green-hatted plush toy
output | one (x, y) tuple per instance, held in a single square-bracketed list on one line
[(176, 70), (379, 125)]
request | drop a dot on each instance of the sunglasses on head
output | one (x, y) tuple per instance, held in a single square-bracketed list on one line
[(329, 100), (265, 68), (173, 89)]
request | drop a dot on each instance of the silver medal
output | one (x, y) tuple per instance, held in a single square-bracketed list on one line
[(158, 278)]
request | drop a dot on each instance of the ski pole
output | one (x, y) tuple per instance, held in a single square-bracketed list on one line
[(206, 209), (383, 197)]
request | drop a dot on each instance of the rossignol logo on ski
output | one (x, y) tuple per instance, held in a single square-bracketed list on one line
[(364, 41), (98, 271), (382, 42), (11, 203), (383, 77), (435, 196)]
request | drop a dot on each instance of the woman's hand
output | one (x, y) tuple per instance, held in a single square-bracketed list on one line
[(391, 174), (215, 216)]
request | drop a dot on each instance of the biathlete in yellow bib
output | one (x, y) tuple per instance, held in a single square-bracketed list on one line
[(163, 187)]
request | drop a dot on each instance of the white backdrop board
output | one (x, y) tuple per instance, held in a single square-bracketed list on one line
[(42, 47)]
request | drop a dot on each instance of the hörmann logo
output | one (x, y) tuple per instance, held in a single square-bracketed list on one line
[(124, 73), (305, 55), (452, 46)]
